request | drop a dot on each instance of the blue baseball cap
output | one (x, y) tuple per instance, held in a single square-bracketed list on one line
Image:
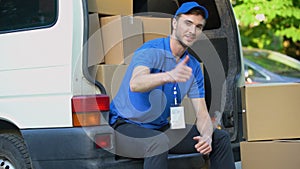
[(187, 6)]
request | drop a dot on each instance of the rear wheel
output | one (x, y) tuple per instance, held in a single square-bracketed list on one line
[(13, 152)]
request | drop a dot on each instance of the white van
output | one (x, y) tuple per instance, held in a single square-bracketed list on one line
[(53, 112)]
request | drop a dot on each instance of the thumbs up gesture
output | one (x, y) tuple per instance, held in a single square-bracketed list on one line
[(182, 72)]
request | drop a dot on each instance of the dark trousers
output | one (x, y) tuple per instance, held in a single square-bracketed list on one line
[(154, 145)]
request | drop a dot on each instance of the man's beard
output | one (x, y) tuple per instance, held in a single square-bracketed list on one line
[(185, 45)]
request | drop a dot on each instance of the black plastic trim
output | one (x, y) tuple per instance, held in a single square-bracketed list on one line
[(237, 94), (85, 69)]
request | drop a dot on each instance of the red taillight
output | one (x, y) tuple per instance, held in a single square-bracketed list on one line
[(90, 103), (87, 109), (103, 141)]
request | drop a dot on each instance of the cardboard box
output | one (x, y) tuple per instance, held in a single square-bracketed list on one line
[(272, 111), (121, 37), (95, 46), (155, 27), (270, 154), (111, 7), (189, 111), (111, 77)]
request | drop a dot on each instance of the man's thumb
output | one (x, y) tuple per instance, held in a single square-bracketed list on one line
[(197, 138), (186, 59)]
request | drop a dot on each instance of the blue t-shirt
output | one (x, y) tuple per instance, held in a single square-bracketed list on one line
[(152, 109)]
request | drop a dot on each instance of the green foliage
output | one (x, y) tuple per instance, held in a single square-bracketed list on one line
[(265, 23)]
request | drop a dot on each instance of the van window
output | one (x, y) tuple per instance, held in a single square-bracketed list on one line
[(19, 15)]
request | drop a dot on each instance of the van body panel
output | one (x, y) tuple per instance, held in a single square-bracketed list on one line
[(40, 114), (36, 66)]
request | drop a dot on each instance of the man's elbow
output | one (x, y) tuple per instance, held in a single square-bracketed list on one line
[(133, 86), (137, 87)]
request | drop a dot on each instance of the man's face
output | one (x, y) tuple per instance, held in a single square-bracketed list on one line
[(187, 28)]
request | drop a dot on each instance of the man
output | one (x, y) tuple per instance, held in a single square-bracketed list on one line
[(160, 74)]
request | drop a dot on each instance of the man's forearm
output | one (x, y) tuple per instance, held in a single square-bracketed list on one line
[(203, 123), (146, 82), (142, 80), (204, 126)]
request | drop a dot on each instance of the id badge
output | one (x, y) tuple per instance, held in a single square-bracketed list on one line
[(177, 117)]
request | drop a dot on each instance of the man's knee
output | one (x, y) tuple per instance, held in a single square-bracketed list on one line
[(157, 145), (221, 136)]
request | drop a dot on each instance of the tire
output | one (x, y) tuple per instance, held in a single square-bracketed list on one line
[(13, 152)]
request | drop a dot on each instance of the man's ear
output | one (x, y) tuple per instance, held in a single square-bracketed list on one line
[(174, 23)]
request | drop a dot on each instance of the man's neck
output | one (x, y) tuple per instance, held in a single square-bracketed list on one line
[(177, 48)]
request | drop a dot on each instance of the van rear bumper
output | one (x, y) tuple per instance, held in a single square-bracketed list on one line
[(74, 148), (68, 147)]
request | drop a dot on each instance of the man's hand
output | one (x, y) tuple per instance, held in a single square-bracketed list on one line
[(181, 73), (204, 144)]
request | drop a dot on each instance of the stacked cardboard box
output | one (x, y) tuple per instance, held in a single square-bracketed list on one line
[(111, 7), (111, 77), (155, 27), (122, 35), (95, 45), (276, 154), (271, 126)]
